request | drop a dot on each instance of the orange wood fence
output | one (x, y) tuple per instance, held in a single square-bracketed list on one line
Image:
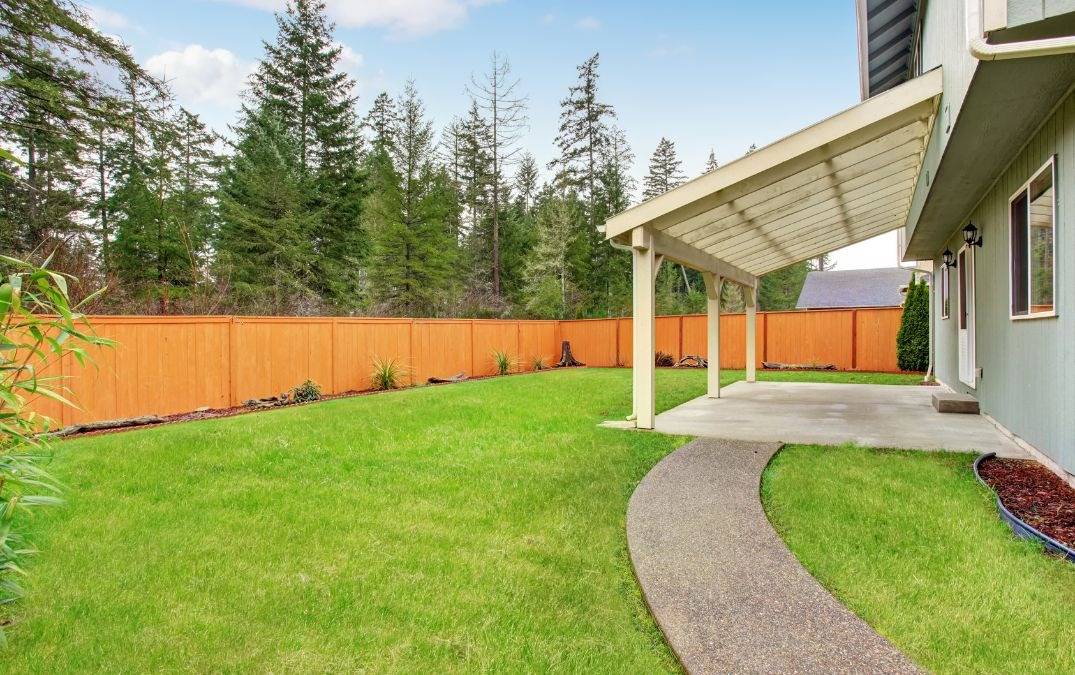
[(171, 364)]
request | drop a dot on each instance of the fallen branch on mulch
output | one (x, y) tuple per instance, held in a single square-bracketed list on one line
[(770, 365), (692, 361), (458, 377), (664, 360), (1036, 495)]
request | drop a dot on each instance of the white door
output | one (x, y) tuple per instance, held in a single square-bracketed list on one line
[(965, 268)]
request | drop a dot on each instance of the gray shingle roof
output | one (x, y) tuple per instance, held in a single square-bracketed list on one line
[(854, 288)]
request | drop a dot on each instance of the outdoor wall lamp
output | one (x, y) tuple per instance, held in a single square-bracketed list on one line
[(948, 258), (971, 236)]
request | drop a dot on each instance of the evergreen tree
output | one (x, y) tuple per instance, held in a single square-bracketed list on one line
[(608, 284), (912, 340), (526, 183), (780, 289), (664, 170), (583, 133), (549, 285), (711, 164), (413, 247), (299, 83), (266, 253)]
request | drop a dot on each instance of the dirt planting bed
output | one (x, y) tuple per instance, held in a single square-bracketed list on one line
[(1034, 494)]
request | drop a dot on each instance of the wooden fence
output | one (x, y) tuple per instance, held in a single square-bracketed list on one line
[(171, 364)]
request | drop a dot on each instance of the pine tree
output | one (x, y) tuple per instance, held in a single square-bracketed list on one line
[(664, 170), (413, 248), (780, 289), (266, 253), (711, 164), (608, 284), (583, 132), (299, 83), (526, 183)]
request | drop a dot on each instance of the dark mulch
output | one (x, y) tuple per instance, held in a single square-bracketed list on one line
[(1035, 494)]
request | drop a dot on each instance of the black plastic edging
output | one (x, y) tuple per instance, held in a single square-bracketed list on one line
[(1019, 528)]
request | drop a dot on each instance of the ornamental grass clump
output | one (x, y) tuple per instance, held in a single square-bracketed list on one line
[(387, 374), (504, 362)]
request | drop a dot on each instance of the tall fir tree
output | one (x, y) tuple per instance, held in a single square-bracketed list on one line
[(665, 170), (583, 133), (265, 249), (300, 83), (413, 248), (525, 184), (711, 164), (608, 283)]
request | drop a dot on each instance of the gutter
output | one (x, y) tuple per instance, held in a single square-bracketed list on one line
[(983, 51), (988, 15)]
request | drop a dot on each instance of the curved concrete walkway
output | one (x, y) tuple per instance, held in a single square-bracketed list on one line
[(726, 591)]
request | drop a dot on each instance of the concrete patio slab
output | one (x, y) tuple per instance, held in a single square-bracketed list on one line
[(886, 416), (725, 590)]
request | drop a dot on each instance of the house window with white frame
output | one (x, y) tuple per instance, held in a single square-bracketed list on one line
[(1032, 226)]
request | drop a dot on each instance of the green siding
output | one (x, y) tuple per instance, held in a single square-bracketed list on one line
[(1021, 12), (1028, 367)]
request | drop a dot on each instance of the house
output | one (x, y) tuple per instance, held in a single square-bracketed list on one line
[(965, 143), (840, 289)]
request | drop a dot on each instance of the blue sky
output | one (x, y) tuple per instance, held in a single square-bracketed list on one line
[(718, 75)]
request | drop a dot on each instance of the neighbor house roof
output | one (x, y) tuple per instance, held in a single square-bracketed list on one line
[(854, 288)]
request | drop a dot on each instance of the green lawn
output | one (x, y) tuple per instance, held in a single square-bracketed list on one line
[(912, 543), (470, 527)]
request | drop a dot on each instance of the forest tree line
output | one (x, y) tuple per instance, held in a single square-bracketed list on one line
[(309, 206)]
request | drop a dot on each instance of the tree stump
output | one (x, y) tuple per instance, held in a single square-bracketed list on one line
[(567, 359)]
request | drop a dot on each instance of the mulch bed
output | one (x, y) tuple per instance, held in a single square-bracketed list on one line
[(1034, 494), (215, 413)]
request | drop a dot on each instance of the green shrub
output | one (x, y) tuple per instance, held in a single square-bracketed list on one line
[(38, 327), (912, 340), (387, 374), (504, 362), (307, 391)]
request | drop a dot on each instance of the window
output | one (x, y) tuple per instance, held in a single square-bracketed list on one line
[(1032, 224), (945, 300)]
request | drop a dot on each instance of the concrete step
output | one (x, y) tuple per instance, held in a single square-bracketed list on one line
[(954, 402)]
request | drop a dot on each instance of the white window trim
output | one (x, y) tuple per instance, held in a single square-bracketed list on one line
[(1025, 187)]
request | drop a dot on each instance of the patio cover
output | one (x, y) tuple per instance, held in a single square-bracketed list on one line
[(843, 180)]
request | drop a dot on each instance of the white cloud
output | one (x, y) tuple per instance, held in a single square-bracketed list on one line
[(349, 58), (199, 75), (106, 19), (548, 18), (588, 23), (402, 18)]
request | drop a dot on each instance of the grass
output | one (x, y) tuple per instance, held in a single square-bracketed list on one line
[(912, 544), (477, 526)]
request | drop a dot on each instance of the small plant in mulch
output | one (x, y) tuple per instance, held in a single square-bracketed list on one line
[(538, 363), (307, 391), (1036, 495), (665, 360), (503, 361), (387, 374)]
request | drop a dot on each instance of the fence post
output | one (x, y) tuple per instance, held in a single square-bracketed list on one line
[(854, 339), (332, 357), (414, 354), (233, 397), (764, 336)]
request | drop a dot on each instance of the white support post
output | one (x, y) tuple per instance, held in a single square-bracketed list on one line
[(751, 296), (644, 327), (712, 305)]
